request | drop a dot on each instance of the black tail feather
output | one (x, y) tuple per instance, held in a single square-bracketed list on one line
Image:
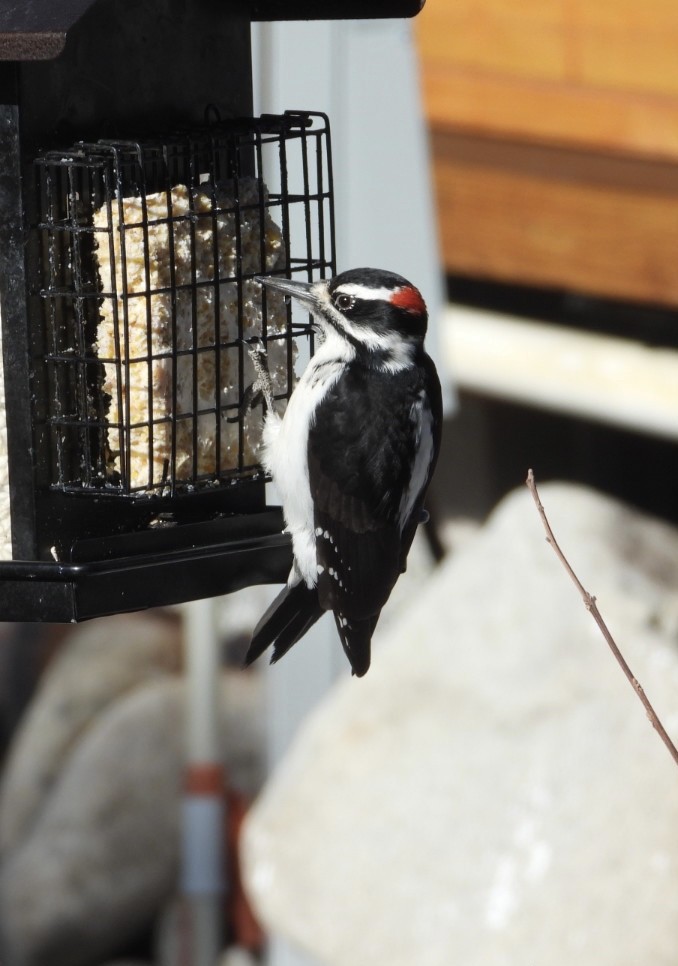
[(356, 639), (293, 612)]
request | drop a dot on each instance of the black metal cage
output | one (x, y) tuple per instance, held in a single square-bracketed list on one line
[(147, 258), (144, 256)]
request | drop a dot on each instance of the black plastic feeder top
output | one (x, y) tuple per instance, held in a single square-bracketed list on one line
[(37, 29)]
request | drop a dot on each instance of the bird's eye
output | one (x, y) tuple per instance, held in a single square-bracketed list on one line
[(344, 302)]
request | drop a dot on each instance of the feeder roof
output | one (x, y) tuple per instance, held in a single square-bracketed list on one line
[(37, 29)]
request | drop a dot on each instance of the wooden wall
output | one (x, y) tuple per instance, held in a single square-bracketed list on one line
[(554, 130)]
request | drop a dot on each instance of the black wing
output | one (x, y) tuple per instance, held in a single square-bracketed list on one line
[(360, 455), (435, 400)]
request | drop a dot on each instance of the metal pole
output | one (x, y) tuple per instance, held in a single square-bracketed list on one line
[(203, 813)]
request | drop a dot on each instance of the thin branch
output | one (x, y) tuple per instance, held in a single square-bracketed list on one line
[(592, 607)]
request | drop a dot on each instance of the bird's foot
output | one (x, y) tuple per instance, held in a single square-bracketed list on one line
[(262, 384)]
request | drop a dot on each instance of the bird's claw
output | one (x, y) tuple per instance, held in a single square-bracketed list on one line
[(256, 347), (262, 384)]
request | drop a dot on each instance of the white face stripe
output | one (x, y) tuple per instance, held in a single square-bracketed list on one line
[(365, 292), (399, 353)]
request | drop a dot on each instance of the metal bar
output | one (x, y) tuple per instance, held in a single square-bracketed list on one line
[(203, 806)]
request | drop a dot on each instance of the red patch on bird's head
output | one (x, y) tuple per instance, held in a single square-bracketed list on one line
[(409, 298)]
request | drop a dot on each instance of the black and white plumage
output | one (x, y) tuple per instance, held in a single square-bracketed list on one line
[(352, 457)]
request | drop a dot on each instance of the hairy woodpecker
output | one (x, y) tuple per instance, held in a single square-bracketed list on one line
[(352, 456)]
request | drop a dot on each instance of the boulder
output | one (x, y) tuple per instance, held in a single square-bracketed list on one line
[(102, 855), (491, 793), (102, 660)]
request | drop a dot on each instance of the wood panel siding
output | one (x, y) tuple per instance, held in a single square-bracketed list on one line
[(555, 141)]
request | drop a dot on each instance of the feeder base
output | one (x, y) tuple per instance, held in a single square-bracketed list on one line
[(187, 562)]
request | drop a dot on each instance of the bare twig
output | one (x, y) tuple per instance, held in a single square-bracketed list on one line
[(592, 607)]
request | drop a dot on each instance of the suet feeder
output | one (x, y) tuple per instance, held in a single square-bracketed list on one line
[(138, 201)]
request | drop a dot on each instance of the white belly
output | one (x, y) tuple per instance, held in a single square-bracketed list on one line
[(286, 455)]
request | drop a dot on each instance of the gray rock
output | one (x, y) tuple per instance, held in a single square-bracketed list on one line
[(103, 853), (237, 957), (492, 794), (102, 660)]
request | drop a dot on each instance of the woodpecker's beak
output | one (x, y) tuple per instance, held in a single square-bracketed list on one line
[(303, 292)]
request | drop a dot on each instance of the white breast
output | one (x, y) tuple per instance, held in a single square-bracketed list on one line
[(286, 449)]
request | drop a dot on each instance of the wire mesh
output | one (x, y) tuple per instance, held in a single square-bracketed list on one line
[(147, 261)]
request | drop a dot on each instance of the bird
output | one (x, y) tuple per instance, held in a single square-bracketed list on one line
[(352, 456)]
